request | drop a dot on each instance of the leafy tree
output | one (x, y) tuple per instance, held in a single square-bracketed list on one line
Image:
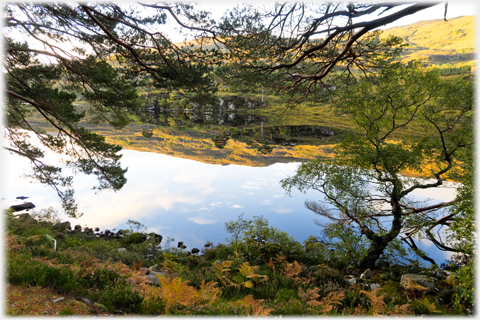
[(97, 54), (462, 231), (345, 247), (364, 185), (250, 236)]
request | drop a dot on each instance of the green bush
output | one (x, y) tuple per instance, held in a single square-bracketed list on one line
[(26, 271), (66, 312), (153, 306), (245, 236), (39, 240), (465, 296), (354, 299), (37, 231), (133, 238), (284, 295), (99, 279), (121, 297), (69, 242), (425, 306), (325, 275), (290, 307), (101, 248)]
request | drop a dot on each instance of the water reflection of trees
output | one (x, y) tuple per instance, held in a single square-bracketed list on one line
[(168, 110), (236, 117)]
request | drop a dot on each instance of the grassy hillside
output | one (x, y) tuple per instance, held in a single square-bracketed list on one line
[(438, 41)]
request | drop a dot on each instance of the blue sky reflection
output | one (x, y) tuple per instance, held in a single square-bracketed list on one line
[(186, 200)]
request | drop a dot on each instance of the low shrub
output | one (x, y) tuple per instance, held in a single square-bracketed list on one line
[(121, 297), (325, 275), (153, 306), (28, 271), (290, 307), (66, 312), (99, 278), (425, 306), (284, 295)]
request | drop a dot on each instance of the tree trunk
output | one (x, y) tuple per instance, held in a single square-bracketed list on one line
[(374, 252), (380, 243)]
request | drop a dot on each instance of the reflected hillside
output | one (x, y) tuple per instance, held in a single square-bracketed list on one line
[(199, 145), (237, 130)]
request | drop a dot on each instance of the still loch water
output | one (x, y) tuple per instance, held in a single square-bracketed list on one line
[(184, 199)]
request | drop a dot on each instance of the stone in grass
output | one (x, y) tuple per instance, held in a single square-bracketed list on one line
[(440, 274), (351, 279), (155, 268), (153, 276), (59, 299), (419, 280), (86, 301), (374, 286), (366, 275)]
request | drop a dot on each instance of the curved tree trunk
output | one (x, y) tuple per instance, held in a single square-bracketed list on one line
[(378, 245)]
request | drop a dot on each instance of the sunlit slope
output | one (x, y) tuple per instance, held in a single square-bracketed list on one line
[(434, 41), (440, 41)]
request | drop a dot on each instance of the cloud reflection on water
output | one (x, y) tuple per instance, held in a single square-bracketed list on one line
[(186, 200)]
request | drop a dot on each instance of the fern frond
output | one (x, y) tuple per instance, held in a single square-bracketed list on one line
[(332, 299), (378, 304), (138, 276), (270, 264), (403, 309), (246, 269), (310, 296), (257, 308), (293, 270), (414, 287), (209, 292), (175, 291), (13, 244)]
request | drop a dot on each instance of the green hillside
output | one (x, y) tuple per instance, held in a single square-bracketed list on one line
[(440, 42)]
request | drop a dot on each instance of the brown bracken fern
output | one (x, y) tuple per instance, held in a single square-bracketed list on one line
[(175, 291), (208, 292), (310, 296), (293, 270), (331, 300), (378, 304), (256, 305), (414, 287), (379, 307)]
